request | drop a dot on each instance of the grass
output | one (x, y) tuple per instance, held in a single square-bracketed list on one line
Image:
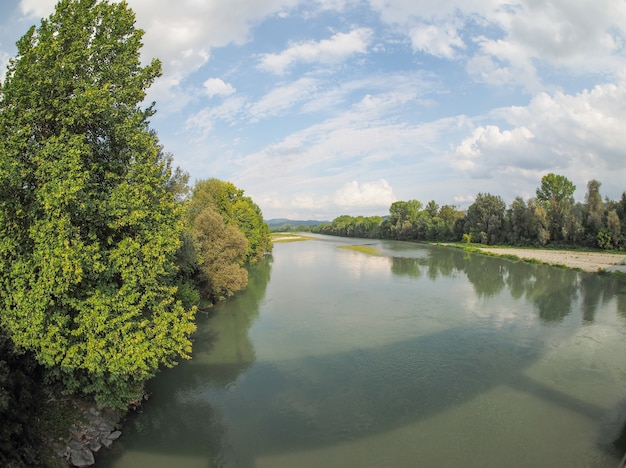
[(366, 249), (615, 274)]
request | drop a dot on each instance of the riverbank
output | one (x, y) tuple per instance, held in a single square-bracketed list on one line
[(288, 237), (585, 261)]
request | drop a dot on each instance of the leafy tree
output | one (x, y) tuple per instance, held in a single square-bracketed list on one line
[(595, 209), (234, 207), (88, 226), (520, 226), (432, 208), (227, 231), (222, 250), (556, 195), (621, 208), (539, 222), (613, 229), (403, 215), (485, 219)]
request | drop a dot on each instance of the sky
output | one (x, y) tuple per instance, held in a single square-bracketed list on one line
[(318, 108)]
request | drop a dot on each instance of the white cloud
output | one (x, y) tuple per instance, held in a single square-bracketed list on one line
[(501, 63), (312, 94), (581, 37), (4, 62), (205, 120), (350, 147), (349, 123), (309, 202), (335, 49), (440, 41), (217, 87), (37, 8), (284, 97), (579, 134), (182, 35), (504, 148), (367, 194), (515, 40), (464, 199)]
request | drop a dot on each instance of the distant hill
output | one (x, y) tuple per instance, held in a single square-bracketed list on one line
[(293, 222)]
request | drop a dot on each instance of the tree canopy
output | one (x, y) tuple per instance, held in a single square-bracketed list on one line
[(236, 208), (551, 217), (228, 233), (89, 227)]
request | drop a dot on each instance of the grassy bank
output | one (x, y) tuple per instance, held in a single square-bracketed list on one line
[(366, 249)]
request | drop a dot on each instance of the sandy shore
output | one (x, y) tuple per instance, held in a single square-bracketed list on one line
[(586, 261), (288, 238)]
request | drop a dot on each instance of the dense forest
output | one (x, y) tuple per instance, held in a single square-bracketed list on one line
[(105, 252), (550, 218)]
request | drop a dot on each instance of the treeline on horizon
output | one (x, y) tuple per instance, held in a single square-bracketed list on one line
[(552, 217), (106, 253)]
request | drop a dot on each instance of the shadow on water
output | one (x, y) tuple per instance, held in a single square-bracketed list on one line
[(317, 401), (312, 402)]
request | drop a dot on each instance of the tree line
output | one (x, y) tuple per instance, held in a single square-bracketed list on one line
[(105, 252), (552, 217)]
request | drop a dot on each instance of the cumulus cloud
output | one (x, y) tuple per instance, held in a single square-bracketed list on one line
[(440, 41), (378, 124), (512, 42), (37, 8), (573, 133), (367, 194), (217, 87), (503, 148), (335, 49)]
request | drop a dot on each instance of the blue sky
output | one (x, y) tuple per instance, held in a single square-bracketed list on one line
[(322, 108)]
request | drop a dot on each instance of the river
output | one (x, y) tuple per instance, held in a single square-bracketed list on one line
[(420, 356)]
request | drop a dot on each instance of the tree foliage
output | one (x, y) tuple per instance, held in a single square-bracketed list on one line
[(235, 208), (222, 250), (228, 232), (550, 217), (88, 225), (485, 219), (556, 195)]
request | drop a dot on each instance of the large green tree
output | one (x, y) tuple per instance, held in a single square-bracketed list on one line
[(595, 218), (236, 208), (221, 249), (556, 195), (88, 224), (485, 219)]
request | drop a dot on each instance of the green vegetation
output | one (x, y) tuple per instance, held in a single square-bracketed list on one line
[(226, 232), (88, 229), (551, 219), (102, 256), (366, 249)]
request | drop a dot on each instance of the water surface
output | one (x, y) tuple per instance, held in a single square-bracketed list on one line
[(420, 356)]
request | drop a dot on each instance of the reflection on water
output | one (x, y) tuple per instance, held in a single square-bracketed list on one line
[(452, 359)]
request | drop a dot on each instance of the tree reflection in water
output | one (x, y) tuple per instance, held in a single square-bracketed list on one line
[(552, 290), (227, 408)]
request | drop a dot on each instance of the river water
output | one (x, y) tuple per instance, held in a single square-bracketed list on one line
[(420, 356)]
